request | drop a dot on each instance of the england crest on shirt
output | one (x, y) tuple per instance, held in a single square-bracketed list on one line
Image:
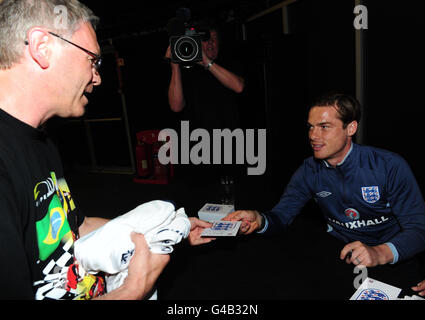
[(371, 194)]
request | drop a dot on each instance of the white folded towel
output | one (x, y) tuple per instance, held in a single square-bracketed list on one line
[(110, 249)]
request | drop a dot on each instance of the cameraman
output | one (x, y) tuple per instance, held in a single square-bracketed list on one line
[(208, 90)]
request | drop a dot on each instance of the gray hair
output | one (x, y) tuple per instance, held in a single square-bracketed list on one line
[(17, 17)]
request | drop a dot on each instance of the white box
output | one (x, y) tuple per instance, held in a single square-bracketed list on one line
[(215, 212)]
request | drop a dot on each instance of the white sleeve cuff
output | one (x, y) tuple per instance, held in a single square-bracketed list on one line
[(394, 251)]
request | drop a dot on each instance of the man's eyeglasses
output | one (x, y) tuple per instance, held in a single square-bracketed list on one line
[(96, 59)]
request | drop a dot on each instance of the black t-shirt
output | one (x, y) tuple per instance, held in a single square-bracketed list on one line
[(209, 104), (38, 220)]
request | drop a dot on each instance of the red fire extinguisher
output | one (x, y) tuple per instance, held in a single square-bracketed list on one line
[(144, 159)]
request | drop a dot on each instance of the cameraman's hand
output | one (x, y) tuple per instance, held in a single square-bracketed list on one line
[(168, 57), (205, 59), (168, 53)]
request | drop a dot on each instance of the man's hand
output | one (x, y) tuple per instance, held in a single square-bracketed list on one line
[(167, 57), (145, 267), (196, 228), (205, 59), (168, 53), (251, 220), (364, 255), (143, 271), (420, 288)]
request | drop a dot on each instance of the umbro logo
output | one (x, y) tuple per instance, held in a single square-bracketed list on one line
[(323, 194)]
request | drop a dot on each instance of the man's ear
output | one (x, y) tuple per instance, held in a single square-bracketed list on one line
[(39, 49), (352, 128)]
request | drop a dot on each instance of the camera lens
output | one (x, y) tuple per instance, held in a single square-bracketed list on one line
[(186, 49)]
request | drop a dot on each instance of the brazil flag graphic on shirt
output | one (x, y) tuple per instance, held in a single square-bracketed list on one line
[(61, 276), (52, 229)]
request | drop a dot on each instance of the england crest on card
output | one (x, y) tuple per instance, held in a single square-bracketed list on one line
[(373, 294), (372, 289), (371, 194)]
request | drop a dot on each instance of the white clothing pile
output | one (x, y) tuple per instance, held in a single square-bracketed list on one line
[(109, 248)]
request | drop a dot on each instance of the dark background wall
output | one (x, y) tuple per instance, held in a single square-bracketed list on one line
[(394, 107), (283, 72)]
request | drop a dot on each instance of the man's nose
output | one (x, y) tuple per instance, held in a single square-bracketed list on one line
[(313, 133), (97, 79)]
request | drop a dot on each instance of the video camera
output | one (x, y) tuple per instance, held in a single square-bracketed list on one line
[(186, 39)]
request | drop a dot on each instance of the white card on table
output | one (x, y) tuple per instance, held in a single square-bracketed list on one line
[(372, 289), (222, 229)]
